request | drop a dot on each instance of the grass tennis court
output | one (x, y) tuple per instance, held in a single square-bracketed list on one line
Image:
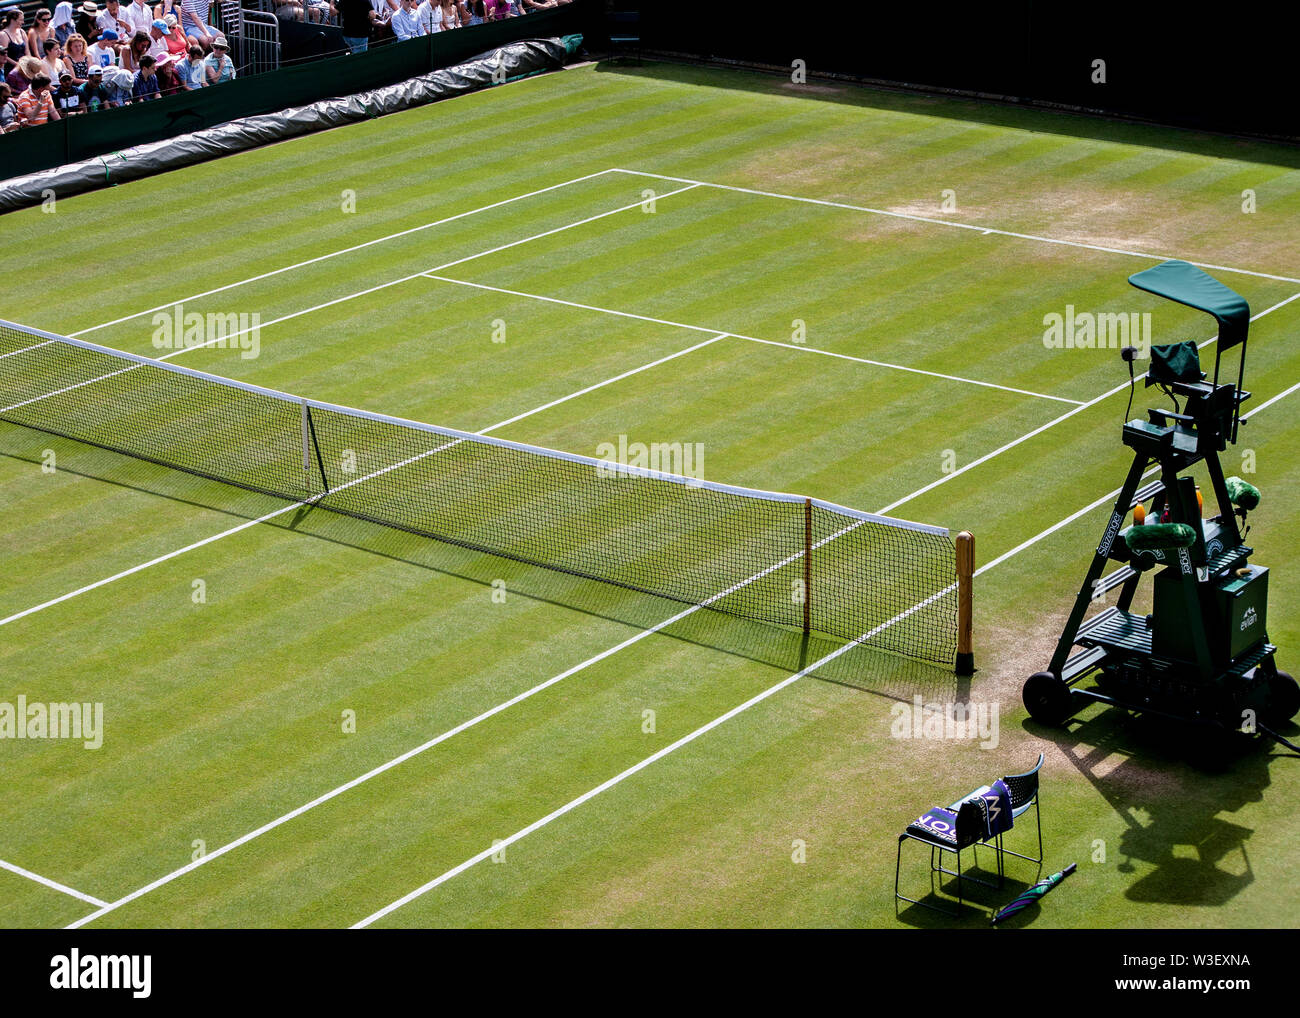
[(673, 256)]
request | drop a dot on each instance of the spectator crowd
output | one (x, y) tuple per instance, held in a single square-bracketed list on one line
[(73, 61), (367, 21)]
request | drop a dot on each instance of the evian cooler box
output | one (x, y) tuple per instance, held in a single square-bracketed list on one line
[(1233, 613)]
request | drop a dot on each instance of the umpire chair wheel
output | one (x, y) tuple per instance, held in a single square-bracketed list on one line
[(1283, 697), (1047, 699)]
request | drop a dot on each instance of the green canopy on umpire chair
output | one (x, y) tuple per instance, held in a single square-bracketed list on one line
[(1184, 283)]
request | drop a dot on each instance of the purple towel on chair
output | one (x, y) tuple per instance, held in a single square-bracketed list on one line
[(999, 808), (938, 823)]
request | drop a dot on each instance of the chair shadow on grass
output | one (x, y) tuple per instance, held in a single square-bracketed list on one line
[(787, 651), (1171, 786)]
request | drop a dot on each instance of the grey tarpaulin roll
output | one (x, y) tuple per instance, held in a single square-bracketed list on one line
[(525, 57)]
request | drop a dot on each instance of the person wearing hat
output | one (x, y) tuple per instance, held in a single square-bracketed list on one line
[(87, 21), (63, 23), (119, 82), (158, 32), (177, 44), (67, 97), (104, 52), (217, 66), (94, 95), (21, 76)]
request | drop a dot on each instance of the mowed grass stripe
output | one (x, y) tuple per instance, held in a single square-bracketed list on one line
[(432, 355), (231, 708), (445, 803), (295, 293)]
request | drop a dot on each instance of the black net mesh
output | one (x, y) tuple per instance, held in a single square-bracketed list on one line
[(868, 579)]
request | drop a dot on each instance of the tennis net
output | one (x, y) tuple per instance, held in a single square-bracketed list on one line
[(773, 557)]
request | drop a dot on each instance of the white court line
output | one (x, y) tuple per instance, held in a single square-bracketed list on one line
[(491, 712), (24, 349), (431, 274), (54, 884), (297, 505), (228, 337), (1052, 423), (335, 254), (1262, 406), (955, 225), (573, 804)]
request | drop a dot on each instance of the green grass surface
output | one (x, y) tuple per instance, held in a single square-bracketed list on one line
[(223, 716)]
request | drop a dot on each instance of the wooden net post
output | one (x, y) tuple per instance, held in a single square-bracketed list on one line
[(965, 613), (807, 566)]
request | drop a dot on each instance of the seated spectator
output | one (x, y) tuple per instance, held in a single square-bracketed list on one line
[(194, 22), (477, 11), (167, 7), (158, 32), (77, 59), (496, 10), (177, 44), (318, 10), (39, 32), (87, 21), (145, 86), (53, 62), (35, 107), (429, 15), (67, 97), (138, 15), (381, 27), (8, 110), (13, 38), (104, 52), (453, 15), (138, 49), (190, 70), (63, 24), (120, 84), (94, 95), (406, 23), (113, 19), (217, 66), (168, 80), (21, 76)]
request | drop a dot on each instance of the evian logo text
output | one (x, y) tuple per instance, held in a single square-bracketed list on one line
[(1249, 618)]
